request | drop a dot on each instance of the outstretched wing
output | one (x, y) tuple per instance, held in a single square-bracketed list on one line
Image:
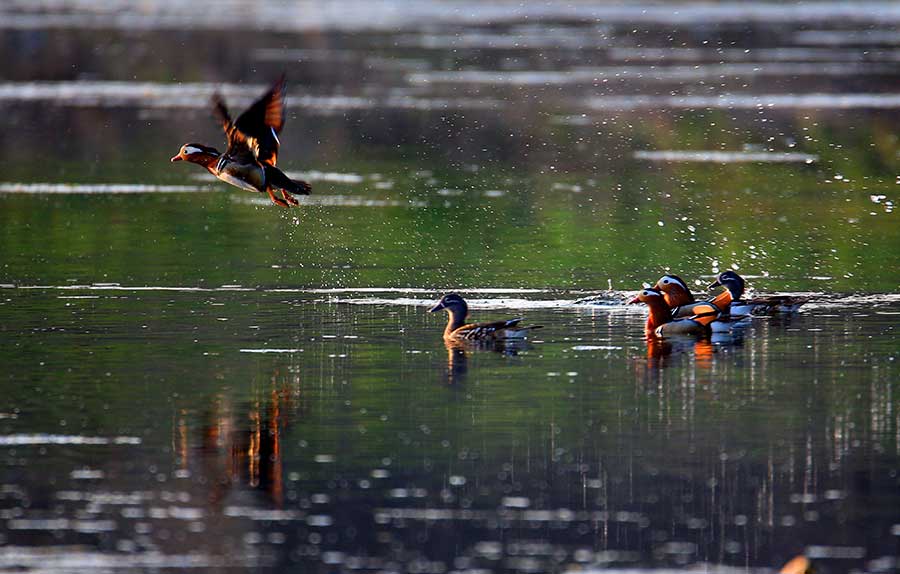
[(254, 135), (220, 111), (267, 111), (240, 148), (263, 122)]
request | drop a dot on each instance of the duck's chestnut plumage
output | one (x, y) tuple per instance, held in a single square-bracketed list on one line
[(660, 322), (730, 301)]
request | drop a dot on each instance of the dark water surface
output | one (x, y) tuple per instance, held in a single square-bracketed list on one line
[(194, 379)]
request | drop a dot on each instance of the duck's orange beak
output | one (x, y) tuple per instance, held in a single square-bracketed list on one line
[(637, 299), (176, 158)]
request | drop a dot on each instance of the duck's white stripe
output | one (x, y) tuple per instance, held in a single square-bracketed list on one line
[(228, 178)]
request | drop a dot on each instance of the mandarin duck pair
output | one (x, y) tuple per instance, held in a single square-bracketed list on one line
[(674, 311), (249, 161), (679, 297)]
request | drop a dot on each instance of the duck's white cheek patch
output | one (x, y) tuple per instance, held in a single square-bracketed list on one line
[(681, 284), (191, 150)]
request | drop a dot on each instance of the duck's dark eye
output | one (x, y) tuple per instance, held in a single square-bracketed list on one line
[(666, 281)]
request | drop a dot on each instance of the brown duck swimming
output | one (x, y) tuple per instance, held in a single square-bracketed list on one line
[(249, 161), (458, 329)]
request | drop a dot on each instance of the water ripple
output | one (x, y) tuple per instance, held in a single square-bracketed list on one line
[(83, 188), (196, 95), (56, 439), (745, 101)]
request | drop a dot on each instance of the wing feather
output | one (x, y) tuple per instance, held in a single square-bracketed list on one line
[(264, 120), (253, 137), (240, 149), (220, 111)]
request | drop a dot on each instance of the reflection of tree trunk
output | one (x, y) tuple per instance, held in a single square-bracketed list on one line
[(180, 439), (230, 453), (276, 466), (253, 448)]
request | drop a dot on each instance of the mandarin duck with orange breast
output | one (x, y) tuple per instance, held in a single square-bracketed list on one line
[(661, 323)]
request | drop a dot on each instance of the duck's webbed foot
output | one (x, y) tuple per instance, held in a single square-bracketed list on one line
[(274, 199), (289, 198)]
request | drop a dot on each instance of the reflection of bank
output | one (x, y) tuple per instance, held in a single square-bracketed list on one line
[(240, 445)]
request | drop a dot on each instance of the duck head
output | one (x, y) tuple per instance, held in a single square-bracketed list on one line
[(456, 311), (674, 290), (195, 153), (650, 296), (453, 303), (660, 312), (731, 281)]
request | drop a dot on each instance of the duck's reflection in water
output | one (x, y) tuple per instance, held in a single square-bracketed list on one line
[(232, 445), (458, 355), (457, 362), (662, 353)]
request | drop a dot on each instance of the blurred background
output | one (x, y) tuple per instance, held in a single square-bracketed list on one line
[(615, 137)]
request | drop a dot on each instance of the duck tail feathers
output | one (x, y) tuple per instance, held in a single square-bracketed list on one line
[(516, 332), (276, 178)]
